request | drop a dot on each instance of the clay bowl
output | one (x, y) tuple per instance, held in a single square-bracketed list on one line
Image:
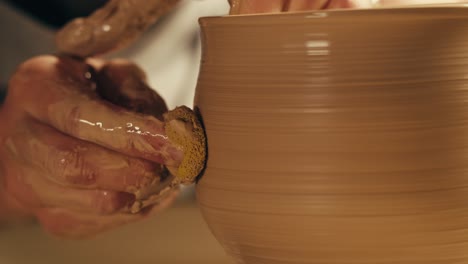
[(337, 137)]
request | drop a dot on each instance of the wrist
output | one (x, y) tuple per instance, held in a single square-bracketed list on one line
[(4, 207), (10, 209)]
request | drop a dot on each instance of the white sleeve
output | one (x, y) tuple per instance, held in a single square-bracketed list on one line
[(170, 52)]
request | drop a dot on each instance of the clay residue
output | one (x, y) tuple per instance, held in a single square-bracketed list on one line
[(112, 27), (123, 84)]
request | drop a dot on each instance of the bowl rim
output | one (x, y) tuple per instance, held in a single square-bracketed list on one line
[(454, 10)]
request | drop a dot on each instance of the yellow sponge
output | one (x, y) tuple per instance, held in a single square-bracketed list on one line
[(185, 129)]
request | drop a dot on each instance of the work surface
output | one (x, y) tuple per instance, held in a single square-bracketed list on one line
[(178, 235)]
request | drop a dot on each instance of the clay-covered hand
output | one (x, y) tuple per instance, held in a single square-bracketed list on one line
[(114, 26), (73, 159), (274, 6)]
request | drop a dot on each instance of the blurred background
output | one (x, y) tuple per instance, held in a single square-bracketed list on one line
[(169, 52)]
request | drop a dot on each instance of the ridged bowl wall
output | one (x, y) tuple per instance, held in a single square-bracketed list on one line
[(337, 137)]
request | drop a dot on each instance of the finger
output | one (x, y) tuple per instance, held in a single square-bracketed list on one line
[(124, 84), (163, 203), (167, 187), (303, 5), (68, 224), (80, 164), (234, 6), (62, 99), (338, 4), (114, 26), (257, 6), (32, 189)]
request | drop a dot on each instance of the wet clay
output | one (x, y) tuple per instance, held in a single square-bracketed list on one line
[(337, 137), (102, 133), (181, 126), (124, 84), (112, 27)]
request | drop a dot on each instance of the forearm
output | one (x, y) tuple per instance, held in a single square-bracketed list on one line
[(5, 210), (3, 203), (10, 210)]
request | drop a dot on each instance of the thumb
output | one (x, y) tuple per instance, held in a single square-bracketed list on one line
[(123, 83)]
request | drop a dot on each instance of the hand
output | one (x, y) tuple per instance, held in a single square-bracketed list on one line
[(74, 159), (114, 26), (275, 6), (120, 22)]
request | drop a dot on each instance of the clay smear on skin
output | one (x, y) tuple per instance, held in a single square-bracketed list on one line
[(114, 26)]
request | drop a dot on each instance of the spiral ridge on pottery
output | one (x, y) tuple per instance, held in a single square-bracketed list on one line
[(337, 137)]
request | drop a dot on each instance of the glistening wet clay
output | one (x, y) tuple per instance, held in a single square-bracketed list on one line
[(337, 137), (73, 106), (177, 132), (112, 27)]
